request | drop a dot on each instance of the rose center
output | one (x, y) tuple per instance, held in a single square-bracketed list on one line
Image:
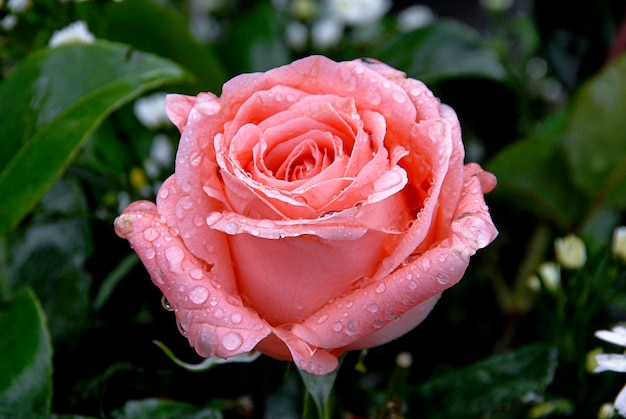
[(303, 160)]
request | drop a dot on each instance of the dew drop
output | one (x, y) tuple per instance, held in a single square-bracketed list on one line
[(164, 193), (198, 294), (443, 278), (174, 255), (196, 273), (180, 328), (195, 159), (322, 319), (378, 323), (359, 69), (151, 234), (198, 220), (232, 341), (386, 84), (209, 107), (166, 304), (381, 288), (443, 257), (399, 97), (412, 285), (373, 308), (218, 313), (231, 228), (352, 328), (415, 91), (337, 327), (235, 318), (150, 253)]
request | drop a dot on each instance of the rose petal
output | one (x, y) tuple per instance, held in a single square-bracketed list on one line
[(351, 318)]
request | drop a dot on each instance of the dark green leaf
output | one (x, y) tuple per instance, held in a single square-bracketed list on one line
[(52, 102), (595, 139), (163, 409), (534, 175), (443, 50), (488, 385), (50, 256), (256, 41), (162, 31), (26, 361)]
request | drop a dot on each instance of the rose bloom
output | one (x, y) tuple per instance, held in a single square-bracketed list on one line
[(315, 208)]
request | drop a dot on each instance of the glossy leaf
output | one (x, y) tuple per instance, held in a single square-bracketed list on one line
[(53, 101), (534, 175), (595, 139), (26, 361), (488, 385), (50, 258), (162, 31), (443, 50)]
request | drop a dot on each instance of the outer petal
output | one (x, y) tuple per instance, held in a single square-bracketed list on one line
[(215, 322), (358, 317)]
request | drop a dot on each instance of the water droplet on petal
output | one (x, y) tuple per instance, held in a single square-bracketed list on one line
[(166, 304), (443, 278), (180, 328), (218, 313), (337, 327), (231, 228), (174, 256), (322, 319), (150, 253), (381, 288), (399, 97), (352, 328), (232, 341), (196, 273), (235, 318), (195, 159), (412, 285), (373, 308), (373, 96), (151, 234), (164, 193), (198, 220), (198, 294)]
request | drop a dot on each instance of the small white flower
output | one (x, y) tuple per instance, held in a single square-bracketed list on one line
[(19, 6), (75, 33), (359, 12), (326, 33), (620, 402), (550, 274), (610, 362), (9, 22), (616, 336), (404, 360), (150, 110), (414, 17), (297, 35), (161, 151), (619, 243), (570, 252)]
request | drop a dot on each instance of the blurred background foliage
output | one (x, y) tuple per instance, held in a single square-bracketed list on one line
[(540, 89)]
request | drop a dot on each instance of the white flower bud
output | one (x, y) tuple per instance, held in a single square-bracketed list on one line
[(74, 33), (619, 243), (550, 274), (570, 252), (359, 12)]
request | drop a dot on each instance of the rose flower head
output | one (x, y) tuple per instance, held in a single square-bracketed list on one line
[(316, 208)]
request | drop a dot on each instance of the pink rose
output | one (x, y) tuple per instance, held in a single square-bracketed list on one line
[(316, 208)]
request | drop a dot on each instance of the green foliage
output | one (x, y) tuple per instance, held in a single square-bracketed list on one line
[(488, 386), (26, 362), (48, 110), (541, 107)]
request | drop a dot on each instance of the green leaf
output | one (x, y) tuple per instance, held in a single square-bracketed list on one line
[(26, 361), (443, 50), (534, 175), (256, 41), (487, 386), (164, 32), (49, 256), (595, 139), (320, 388), (164, 409), (48, 108)]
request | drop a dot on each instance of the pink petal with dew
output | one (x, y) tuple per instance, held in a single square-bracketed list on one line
[(215, 322), (352, 319)]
